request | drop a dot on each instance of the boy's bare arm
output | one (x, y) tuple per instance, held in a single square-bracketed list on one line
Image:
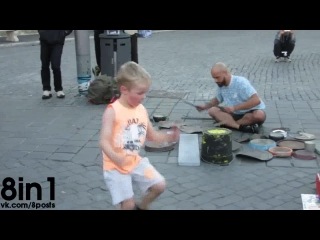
[(159, 136), (106, 136)]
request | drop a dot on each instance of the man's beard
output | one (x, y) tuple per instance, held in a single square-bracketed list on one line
[(223, 83)]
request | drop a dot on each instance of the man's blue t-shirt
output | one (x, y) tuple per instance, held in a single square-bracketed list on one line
[(238, 91)]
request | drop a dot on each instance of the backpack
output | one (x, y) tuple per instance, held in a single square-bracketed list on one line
[(144, 33), (102, 90)]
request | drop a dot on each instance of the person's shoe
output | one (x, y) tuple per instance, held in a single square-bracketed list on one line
[(96, 71), (249, 128), (46, 94), (60, 94), (288, 59), (277, 59)]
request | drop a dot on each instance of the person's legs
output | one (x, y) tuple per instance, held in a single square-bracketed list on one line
[(97, 47), (120, 188), (56, 66), (150, 181), (277, 49), (245, 123), (45, 53), (253, 117), (222, 117), (134, 47), (290, 47)]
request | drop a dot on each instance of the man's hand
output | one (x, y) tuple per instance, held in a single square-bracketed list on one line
[(228, 109), (201, 107)]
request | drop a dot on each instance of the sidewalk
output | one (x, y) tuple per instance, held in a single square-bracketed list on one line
[(59, 137)]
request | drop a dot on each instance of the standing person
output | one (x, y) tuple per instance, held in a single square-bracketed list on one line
[(125, 127), (134, 44), (284, 41), (51, 46), (97, 69), (243, 110)]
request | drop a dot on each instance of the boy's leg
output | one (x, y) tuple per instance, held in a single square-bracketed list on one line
[(120, 188), (152, 193), (150, 181)]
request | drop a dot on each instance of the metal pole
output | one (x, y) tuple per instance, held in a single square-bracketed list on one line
[(82, 43)]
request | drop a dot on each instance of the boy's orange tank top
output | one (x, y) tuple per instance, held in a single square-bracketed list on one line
[(128, 136)]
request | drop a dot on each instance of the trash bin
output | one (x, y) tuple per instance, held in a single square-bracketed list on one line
[(115, 48)]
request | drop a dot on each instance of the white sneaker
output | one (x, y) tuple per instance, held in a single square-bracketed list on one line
[(277, 59), (46, 94), (60, 94), (288, 59)]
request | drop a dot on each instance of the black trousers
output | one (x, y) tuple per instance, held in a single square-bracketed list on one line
[(283, 44), (97, 48), (134, 47), (51, 54)]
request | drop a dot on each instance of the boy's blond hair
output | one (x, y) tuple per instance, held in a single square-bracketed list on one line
[(131, 73)]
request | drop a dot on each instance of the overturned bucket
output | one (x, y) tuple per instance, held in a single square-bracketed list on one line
[(216, 146)]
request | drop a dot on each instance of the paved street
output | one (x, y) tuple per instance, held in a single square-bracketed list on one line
[(59, 137)]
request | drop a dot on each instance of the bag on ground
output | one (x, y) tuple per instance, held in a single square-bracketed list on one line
[(102, 89), (144, 33)]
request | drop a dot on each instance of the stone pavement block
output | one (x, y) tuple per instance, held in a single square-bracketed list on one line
[(207, 206), (47, 148), (92, 144), (182, 196), (78, 143), (13, 154), (68, 149), (61, 156), (173, 160), (280, 162), (187, 205), (224, 201), (26, 147), (262, 205), (158, 159), (300, 163), (39, 155)]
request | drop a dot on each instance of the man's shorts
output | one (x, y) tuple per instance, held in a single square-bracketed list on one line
[(237, 117)]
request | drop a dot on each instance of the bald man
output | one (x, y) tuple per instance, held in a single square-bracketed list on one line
[(243, 109)]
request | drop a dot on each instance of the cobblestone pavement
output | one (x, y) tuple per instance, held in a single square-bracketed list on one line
[(59, 137)]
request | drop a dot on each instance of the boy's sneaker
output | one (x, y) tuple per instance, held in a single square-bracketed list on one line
[(288, 59), (46, 94), (277, 59), (60, 94), (249, 128)]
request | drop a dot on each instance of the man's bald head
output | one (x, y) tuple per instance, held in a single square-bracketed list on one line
[(221, 74)]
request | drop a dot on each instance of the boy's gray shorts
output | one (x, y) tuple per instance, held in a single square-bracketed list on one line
[(120, 185)]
